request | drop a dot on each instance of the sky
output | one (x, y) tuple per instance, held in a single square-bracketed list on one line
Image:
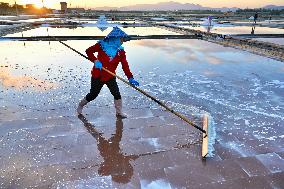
[(120, 3)]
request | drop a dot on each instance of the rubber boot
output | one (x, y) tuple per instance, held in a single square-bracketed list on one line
[(81, 105), (118, 108)]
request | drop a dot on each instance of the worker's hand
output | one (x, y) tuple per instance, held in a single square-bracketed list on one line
[(133, 82), (98, 65)]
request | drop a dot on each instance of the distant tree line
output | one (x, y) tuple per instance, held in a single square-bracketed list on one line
[(262, 11), (14, 9)]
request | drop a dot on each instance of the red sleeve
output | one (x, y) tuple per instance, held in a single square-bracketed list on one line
[(125, 65), (91, 50)]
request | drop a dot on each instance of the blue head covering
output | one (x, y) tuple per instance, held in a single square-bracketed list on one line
[(111, 43), (116, 33)]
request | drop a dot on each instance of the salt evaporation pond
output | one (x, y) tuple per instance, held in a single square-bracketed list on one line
[(279, 41), (94, 21), (33, 20), (232, 30), (182, 72), (90, 31), (243, 95), (259, 22)]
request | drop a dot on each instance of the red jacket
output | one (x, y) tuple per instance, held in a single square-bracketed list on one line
[(111, 65)]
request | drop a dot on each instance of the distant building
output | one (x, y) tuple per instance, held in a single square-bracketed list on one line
[(63, 7)]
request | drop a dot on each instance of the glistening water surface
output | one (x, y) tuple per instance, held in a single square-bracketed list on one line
[(278, 41), (44, 80), (90, 31), (231, 30), (186, 72)]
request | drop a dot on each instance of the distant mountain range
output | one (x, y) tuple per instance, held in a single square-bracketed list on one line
[(273, 7), (171, 6)]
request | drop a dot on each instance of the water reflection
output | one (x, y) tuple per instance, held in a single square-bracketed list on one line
[(208, 28), (252, 30), (278, 41), (170, 46), (195, 52), (102, 28), (232, 30), (23, 82), (115, 163), (90, 31)]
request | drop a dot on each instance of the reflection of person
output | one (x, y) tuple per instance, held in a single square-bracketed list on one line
[(209, 20), (110, 54), (115, 163), (255, 17), (208, 29), (252, 30)]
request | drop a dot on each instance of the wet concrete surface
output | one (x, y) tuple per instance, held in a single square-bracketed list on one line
[(45, 145), (51, 152)]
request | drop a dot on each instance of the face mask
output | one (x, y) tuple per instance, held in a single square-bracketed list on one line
[(111, 46)]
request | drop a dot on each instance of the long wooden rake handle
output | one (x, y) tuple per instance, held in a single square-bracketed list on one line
[(143, 92)]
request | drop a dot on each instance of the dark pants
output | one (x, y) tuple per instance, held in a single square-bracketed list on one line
[(96, 86)]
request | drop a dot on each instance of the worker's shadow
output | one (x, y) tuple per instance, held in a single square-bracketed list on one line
[(115, 163)]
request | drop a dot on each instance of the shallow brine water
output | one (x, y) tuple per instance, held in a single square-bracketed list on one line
[(231, 30), (242, 92), (278, 41), (183, 72), (90, 31)]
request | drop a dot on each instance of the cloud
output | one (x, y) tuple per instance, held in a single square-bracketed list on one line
[(23, 82)]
